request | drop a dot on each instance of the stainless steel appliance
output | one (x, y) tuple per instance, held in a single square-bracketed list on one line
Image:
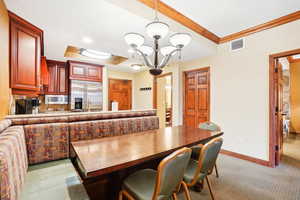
[(56, 99), (87, 95)]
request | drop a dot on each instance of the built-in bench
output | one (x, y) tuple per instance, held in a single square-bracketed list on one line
[(34, 140)]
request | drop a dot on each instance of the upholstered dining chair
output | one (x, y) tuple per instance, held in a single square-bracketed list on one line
[(162, 184), (196, 149), (199, 170)]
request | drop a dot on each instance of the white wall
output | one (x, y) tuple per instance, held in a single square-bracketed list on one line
[(144, 99), (240, 88)]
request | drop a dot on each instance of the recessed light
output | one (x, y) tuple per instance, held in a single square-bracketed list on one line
[(95, 54), (136, 67), (131, 50), (87, 40)]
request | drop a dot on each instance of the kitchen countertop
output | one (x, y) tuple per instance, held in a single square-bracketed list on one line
[(68, 113)]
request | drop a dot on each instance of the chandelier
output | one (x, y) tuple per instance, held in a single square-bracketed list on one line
[(157, 30)]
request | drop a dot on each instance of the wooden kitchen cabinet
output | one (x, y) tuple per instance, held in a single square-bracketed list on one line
[(58, 78), (85, 71), (26, 48)]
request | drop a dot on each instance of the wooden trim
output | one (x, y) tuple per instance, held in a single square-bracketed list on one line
[(271, 24), (155, 87), (247, 158), (180, 18), (272, 102), (84, 63), (292, 60), (23, 22)]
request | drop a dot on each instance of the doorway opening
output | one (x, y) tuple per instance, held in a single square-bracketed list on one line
[(119, 94), (284, 106), (162, 99)]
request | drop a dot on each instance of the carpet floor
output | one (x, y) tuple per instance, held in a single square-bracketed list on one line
[(243, 180)]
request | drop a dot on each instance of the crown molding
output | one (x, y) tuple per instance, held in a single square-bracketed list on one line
[(268, 25)]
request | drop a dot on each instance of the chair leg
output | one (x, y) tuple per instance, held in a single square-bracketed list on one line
[(174, 196), (121, 195), (217, 172), (209, 187), (126, 194), (186, 191)]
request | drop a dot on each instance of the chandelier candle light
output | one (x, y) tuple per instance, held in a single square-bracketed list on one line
[(157, 30)]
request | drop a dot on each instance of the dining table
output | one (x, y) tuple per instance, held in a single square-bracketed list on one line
[(103, 163)]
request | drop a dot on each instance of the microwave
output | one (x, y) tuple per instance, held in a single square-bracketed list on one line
[(56, 99)]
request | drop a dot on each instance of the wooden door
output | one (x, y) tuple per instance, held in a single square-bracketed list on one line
[(197, 97), (120, 91), (161, 101), (25, 55), (279, 111)]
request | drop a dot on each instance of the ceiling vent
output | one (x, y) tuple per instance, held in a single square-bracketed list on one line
[(237, 44)]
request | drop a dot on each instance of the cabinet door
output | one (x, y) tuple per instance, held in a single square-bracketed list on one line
[(52, 78), (78, 71), (62, 79), (25, 57), (85, 71), (94, 73)]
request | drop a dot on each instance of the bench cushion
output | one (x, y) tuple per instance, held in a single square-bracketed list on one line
[(104, 128), (46, 142), (4, 124), (13, 162)]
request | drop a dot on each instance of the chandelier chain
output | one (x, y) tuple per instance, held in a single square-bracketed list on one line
[(156, 9)]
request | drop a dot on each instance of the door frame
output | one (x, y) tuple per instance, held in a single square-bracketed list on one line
[(155, 88), (273, 140), (108, 96), (183, 89)]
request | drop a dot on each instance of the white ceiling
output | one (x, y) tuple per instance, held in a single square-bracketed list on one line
[(224, 17), (67, 22)]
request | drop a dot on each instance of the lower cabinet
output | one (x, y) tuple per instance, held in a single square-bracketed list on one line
[(58, 78)]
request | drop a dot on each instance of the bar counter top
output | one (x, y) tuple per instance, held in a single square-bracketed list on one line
[(67, 113)]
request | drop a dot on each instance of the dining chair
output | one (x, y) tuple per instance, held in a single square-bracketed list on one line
[(162, 184), (199, 170), (196, 149)]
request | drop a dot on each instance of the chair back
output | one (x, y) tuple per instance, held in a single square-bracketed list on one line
[(209, 154), (209, 126), (170, 173)]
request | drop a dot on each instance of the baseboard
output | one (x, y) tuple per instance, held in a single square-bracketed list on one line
[(247, 158)]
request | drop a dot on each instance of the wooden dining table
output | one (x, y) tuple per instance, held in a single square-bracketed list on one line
[(108, 156)]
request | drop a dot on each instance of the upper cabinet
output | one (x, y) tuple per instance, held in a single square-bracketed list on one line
[(25, 56), (58, 78), (85, 71)]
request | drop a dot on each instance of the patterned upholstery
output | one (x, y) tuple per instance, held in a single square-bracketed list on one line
[(13, 162), (112, 115), (39, 120), (113, 127), (46, 142), (106, 128), (4, 124)]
